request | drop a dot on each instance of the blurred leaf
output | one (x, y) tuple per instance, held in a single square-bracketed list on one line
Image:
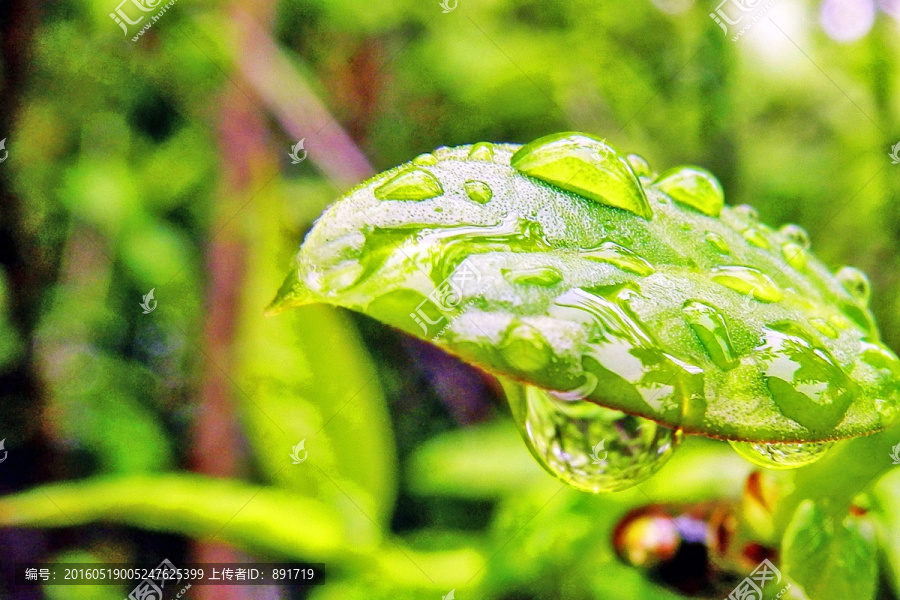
[(829, 558)]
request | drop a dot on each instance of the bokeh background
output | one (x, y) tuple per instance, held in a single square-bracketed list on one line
[(163, 164)]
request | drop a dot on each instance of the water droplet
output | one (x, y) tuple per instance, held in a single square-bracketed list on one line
[(757, 238), (589, 447), (411, 184), (823, 327), (694, 187), (542, 276), (425, 160), (639, 165), (839, 321), (718, 242), (709, 327), (745, 280), (478, 191), (482, 151), (621, 257), (525, 348), (794, 255), (806, 383), (585, 165), (747, 212), (782, 456), (855, 282), (796, 234)]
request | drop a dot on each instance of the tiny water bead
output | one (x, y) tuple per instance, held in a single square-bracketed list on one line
[(694, 187), (410, 184), (585, 165), (482, 151), (621, 257), (782, 457), (589, 447), (717, 242), (747, 280), (478, 191), (746, 212), (856, 283), (756, 238), (796, 234), (425, 160), (541, 276)]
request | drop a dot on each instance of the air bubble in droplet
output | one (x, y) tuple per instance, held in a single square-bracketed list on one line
[(782, 456), (589, 447), (796, 234), (855, 282), (694, 187), (410, 184), (478, 191)]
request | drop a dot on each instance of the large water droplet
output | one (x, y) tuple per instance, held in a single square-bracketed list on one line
[(794, 255), (806, 383), (478, 191), (856, 283), (757, 238), (710, 328), (640, 166), (584, 165), (542, 276), (796, 234), (782, 456), (718, 242), (589, 447), (482, 151), (694, 187), (621, 257), (425, 160), (411, 184), (747, 280)]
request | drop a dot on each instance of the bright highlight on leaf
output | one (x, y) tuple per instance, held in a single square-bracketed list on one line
[(556, 266)]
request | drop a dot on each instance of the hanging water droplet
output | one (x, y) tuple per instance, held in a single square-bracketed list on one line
[(542, 276), (410, 184), (709, 326), (782, 456), (745, 280), (856, 283), (823, 327), (478, 191), (525, 348), (425, 160), (718, 242), (621, 257), (589, 447), (640, 166), (482, 151), (587, 166), (694, 187), (806, 383), (794, 255), (796, 234), (757, 238), (747, 212)]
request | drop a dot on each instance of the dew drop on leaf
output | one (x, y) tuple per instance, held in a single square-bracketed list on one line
[(796, 234), (855, 282), (621, 257), (746, 280), (824, 327), (410, 184), (782, 456), (746, 212), (482, 151), (589, 447), (717, 242), (478, 191), (756, 238), (794, 255), (585, 165), (425, 160), (542, 276), (640, 166), (524, 348), (694, 187), (709, 326)]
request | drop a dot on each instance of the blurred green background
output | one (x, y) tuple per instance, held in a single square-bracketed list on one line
[(163, 164)]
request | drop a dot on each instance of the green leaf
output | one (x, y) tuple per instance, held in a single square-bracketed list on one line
[(694, 314), (830, 558)]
